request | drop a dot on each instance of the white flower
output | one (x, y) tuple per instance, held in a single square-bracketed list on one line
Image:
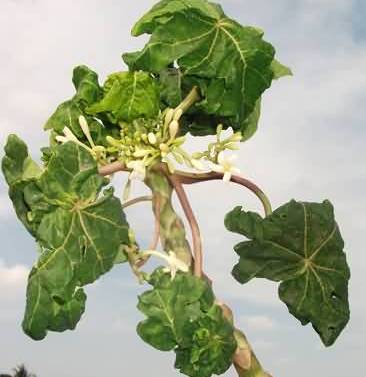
[(69, 136), (138, 170), (226, 166), (174, 264), (85, 128)]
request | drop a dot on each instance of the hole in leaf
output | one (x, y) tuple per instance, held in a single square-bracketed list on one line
[(333, 296), (58, 300)]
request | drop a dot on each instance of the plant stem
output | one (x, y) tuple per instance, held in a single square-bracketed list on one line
[(192, 97), (112, 168), (156, 238), (190, 178), (173, 237), (140, 199), (196, 236), (172, 232)]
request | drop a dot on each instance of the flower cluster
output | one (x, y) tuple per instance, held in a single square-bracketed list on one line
[(145, 142)]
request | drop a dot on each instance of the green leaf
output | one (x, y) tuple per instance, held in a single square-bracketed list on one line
[(231, 64), (280, 70), (128, 96), (80, 237), (250, 125), (169, 306), (66, 115), (208, 346), (19, 171), (299, 245), (86, 84), (170, 87), (160, 13)]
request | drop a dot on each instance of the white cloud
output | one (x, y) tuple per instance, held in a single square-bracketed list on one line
[(12, 280), (263, 345), (257, 323), (12, 292), (5, 206)]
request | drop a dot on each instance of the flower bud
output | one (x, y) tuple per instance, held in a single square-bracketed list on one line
[(219, 129), (141, 153), (169, 116), (173, 129), (152, 138), (164, 148), (236, 137), (232, 147), (197, 155), (113, 142)]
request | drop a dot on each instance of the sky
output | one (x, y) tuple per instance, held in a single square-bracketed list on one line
[(310, 146)]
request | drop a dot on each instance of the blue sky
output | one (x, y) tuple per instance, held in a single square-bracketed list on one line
[(310, 146)]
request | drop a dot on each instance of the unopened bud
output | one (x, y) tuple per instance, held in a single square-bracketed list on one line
[(164, 148), (219, 129), (197, 155), (232, 147), (152, 138), (173, 128), (236, 137), (141, 153), (169, 116), (113, 142)]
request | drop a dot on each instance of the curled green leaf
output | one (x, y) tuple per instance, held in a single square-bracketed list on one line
[(299, 245), (208, 346)]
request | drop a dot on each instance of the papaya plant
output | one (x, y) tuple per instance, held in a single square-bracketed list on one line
[(201, 73)]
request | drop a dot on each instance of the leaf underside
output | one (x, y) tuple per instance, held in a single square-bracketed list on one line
[(300, 246)]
